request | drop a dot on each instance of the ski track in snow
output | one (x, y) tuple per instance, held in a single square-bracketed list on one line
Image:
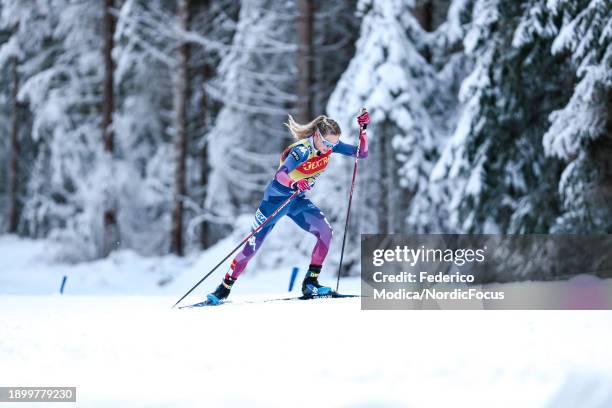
[(136, 351), (115, 337)]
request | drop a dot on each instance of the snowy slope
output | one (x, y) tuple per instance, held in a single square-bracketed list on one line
[(135, 351), (27, 268)]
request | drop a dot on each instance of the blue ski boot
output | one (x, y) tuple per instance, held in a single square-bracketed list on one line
[(222, 291), (311, 286)]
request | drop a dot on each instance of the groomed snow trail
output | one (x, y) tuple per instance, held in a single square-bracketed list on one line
[(135, 351)]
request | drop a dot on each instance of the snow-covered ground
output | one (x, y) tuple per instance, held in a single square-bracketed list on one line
[(133, 350), (27, 268)]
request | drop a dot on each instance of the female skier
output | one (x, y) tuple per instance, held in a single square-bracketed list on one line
[(300, 164)]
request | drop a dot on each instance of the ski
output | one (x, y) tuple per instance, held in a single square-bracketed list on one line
[(333, 295), (200, 304)]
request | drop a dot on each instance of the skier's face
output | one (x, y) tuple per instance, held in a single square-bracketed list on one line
[(327, 142)]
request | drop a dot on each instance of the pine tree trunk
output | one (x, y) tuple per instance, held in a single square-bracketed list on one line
[(14, 155), (110, 228), (180, 136), (394, 192), (424, 15), (383, 196), (205, 239), (304, 60)]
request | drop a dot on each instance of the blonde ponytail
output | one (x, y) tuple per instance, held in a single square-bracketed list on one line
[(322, 122)]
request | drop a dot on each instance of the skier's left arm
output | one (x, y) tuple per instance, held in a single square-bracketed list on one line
[(351, 150)]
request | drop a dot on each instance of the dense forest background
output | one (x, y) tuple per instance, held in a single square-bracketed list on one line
[(155, 125)]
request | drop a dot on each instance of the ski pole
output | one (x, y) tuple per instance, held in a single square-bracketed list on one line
[(348, 210), (255, 231)]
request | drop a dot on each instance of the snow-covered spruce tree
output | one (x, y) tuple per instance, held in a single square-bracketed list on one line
[(148, 37), (72, 182), (27, 26), (335, 31), (4, 141), (13, 156), (4, 115), (256, 88), (581, 132), (24, 36), (143, 114), (217, 21), (427, 212), (392, 76), (110, 228), (6, 112), (501, 181), (179, 128), (182, 101)]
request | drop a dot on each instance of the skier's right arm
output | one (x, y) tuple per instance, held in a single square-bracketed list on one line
[(294, 158)]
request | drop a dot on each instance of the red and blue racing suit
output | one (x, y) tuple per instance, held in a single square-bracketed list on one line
[(301, 160)]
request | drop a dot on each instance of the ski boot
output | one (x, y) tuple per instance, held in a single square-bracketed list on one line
[(311, 286), (222, 291)]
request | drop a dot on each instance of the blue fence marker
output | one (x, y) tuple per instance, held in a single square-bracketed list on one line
[(294, 273), (64, 279)]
